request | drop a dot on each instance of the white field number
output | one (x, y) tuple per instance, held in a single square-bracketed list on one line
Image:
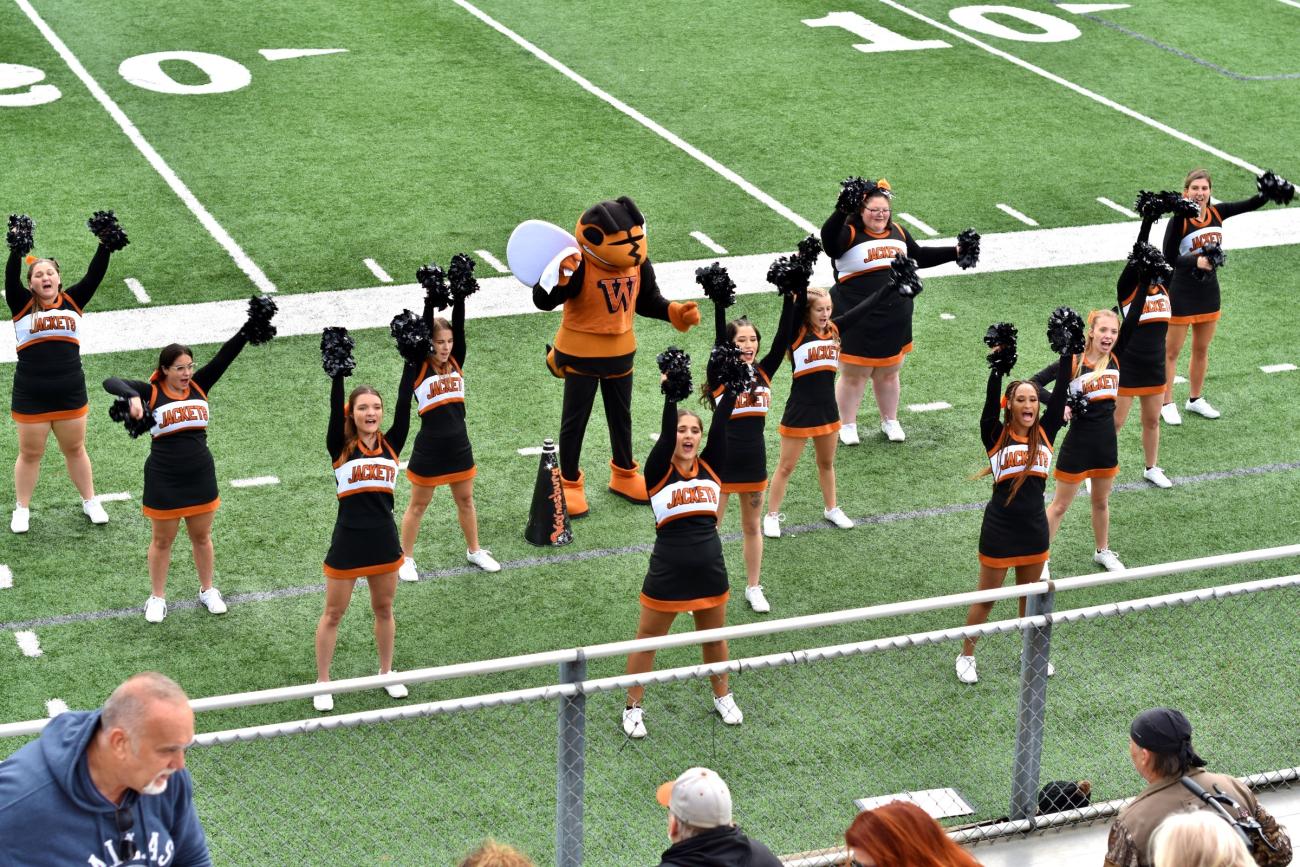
[(1039, 27), (20, 86)]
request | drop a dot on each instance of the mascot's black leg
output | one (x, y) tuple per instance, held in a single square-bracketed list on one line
[(624, 478), (579, 395)]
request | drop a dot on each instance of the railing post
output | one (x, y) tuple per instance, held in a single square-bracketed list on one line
[(1031, 715), (570, 754)]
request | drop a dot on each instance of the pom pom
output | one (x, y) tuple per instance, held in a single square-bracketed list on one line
[(258, 329), (1277, 190), (1078, 403), (1216, 257), (1151, 205), (968, 248), (787, 274), (853, 192), (809, 249), (434, 281), (1179, 206), (717, 284), (120, 411), (728, 368), (103, 225), (677, 365), (1150, 262), (414, 341), (1001, 338), (336, 352), (461, 277), (19, 237), (1065, 331), (903, 276)]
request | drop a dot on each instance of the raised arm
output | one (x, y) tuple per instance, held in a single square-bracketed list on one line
[(567, 287), (401, 425), (334, 432), (928, 257), (1048, 374), (837, 234), (991, 416), (82, 291), (1232, 209), (207, 375), (1128, 325), (1054, 415), (714, 452), (781, 339), (656, 463), (126, 387), (1128, 278), (16, 293), (719, 324), (457, 331)]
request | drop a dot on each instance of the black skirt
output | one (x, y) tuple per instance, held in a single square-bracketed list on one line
[(356, 552)]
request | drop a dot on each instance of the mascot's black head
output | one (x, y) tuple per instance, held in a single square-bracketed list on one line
[(613, 233)]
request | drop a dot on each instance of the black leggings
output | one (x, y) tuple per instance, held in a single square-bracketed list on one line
[(579, 396)]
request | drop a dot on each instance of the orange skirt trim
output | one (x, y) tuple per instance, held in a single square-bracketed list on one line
[(58, 415), (435, 481), (685, 604), (1008, 562), (184, 512), (861, 361), (1196, 318), (1139, 391), (363, 571), (803, 433), (744, 487), (1076, 478)]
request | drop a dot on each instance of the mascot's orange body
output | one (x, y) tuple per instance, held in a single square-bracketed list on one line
[(602, 288)]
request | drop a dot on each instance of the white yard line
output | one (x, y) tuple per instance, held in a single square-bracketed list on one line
[(668, 136), (6, 577), (496, 263), (1093, 95), (908, 218), (137, 290), (1132, 215), (710, 243), (1277, 368), (929, 407), (530, 451), (1007, 209), (247, 265), (255, 482), (55, 706), (28, 642), (109, 498), (380, 274), (1290, 3), (295, 53)]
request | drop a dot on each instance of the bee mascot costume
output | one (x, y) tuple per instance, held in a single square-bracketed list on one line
[(602, 277)]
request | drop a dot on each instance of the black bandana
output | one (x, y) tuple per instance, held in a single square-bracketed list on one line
[(1166, 731)]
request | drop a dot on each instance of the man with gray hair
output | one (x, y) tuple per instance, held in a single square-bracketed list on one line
[(699, 824), (106, 787)]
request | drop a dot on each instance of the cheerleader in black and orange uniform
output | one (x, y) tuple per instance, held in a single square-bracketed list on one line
[(687, 570), (49, 386), (1194, 288), (364, 544), (1018, 438), (180, 477)]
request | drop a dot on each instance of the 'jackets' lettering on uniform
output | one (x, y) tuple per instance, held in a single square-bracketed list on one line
[(814, 355), (697, 496), (440, 389), (1199, 238), (1013, 459), (871, 255), (37, 326), (179, 415), (366, 473), (1099, 384), (755, 402)]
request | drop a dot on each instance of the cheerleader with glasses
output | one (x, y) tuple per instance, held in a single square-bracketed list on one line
[(180, 477), (49, 394)]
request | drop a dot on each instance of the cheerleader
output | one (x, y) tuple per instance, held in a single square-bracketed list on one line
[(687, 571), (442, 453), (1194, 288), (862, 241), (180, 477), (49, 392), (364, 544), (1014, 533)]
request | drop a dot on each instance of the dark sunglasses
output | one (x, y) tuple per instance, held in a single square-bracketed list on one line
[(126, 848)]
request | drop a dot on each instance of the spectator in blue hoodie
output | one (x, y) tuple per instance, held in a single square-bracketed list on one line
[(108, 787)]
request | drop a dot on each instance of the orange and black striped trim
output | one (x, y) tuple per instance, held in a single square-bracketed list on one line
[(744, 487), (1008, 562), (183, 512), (803, 433), (57, 415), (445, 479), (1140, 390), (862, 361), (698, 604), (362, 571), (1077, 478), (1196, 318)]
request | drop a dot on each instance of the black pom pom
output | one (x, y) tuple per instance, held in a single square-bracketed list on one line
[(336, 352), (1277, 190), (809, 249), (853, 192), (727, 367), (461, 277), (1180, 207), (1151, 205), (787, 274), (120, 411), (968, 248), (258, 329), (411, 332), (677, 365), (1065, 331), (1001, 338), (903, 276), (103, 225), (1150, 262), (1216, 257), (717, 284), (19, 237), (434, 281), (1078, 403)]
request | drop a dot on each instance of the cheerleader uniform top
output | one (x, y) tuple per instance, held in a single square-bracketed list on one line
[(1195, 293), (365, 477), (1142, 358), (1009, 456), (49, 384)]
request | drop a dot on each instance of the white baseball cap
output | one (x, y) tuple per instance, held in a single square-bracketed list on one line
[(698, 797)]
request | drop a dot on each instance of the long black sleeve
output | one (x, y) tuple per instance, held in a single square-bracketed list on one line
[(650, 302), (401, 425), (457, 332), (84, 289), (1048, 374), (656, 463), (1127, 283), (928, 257), (1232, 209), (562, 291), (1128, 325), (334, 432), (714, 452), (991, 416), (207, 375), (16, 294), (1054, 415), (836, 234), (128, 388), (781, 340), (719, 324)]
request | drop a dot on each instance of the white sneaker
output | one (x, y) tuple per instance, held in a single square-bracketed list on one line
[(1157, 477), (837, 517), (324, 702), (634, 722), (395, 690), (21, 520), (966, 672), (1109, 559), (482, 558), (757, 601), (211, 599), (726, 708), (1169, 412), (155, 609), (407, 571), (94, 511), (1202, 407), (893, 430), (849, 434), (771, 525)]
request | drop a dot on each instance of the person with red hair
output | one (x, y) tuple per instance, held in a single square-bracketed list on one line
[(901, 834)]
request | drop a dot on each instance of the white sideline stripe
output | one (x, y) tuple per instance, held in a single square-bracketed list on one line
[(255, 482), (1290, 3), (28, 643), (111, 498), (1277, 368), (1007, 209), (247, 265), (137, 290), (295, 53), (1085, 8), (947, 316), (929, 407), (496, 263), (1093, 95), (1180, 380), (665, 134), (55, 706), (1118, 207), (6, 577), (710, 243), (380, 274), (373, 306), (908, 218), (530, 451)]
